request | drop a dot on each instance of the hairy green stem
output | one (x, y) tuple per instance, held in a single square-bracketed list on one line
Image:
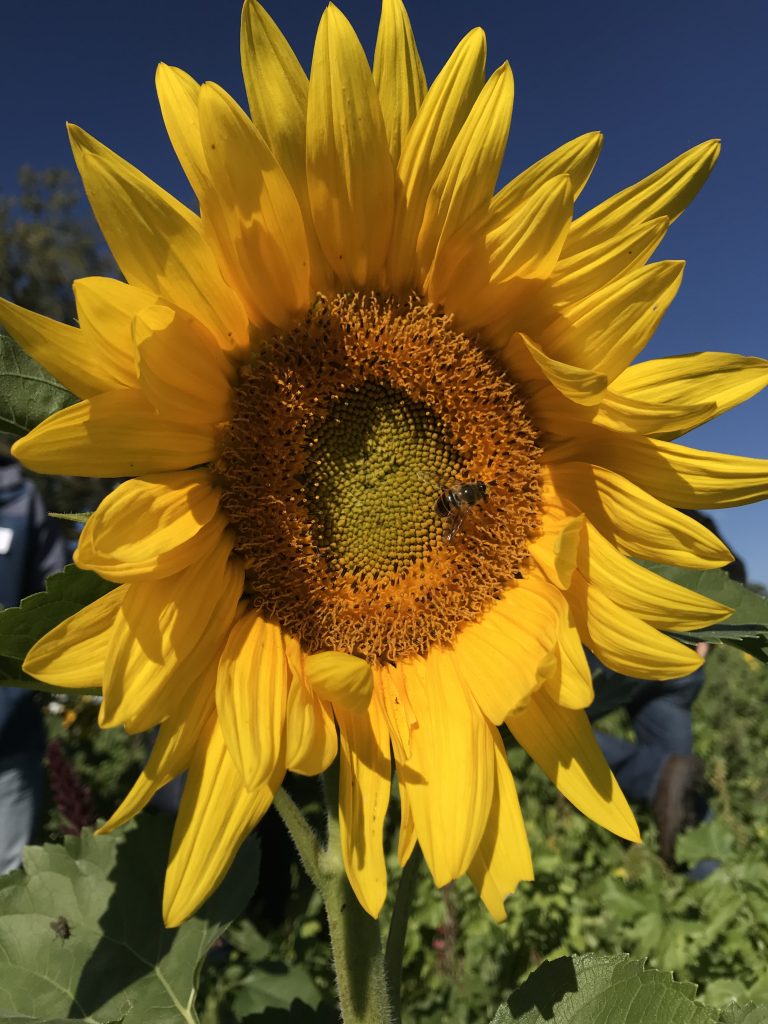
[(305, 840), (355, 936), (398, 926)]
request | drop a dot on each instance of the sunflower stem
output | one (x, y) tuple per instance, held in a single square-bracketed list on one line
[(305, 840), (398, 925), (355, 936)]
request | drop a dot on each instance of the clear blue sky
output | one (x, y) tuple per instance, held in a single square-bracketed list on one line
[(655, 77)]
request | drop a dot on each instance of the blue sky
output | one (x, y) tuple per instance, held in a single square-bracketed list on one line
[(656, 78)]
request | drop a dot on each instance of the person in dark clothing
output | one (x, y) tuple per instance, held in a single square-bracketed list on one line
[(660, 768), (31, 548)]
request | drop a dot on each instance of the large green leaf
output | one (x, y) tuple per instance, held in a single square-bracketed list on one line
[(82, 937), (24, 1019), (595, 989), (65, 593), (28, 393)]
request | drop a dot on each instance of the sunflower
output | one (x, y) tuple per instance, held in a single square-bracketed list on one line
[(389, 464)]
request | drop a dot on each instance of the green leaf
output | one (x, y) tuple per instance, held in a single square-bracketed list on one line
[(595, 989), (28, 393), (81, 932), (273, 991), (275, 986), (747, 1014), (712, 839), (65, 593), (54, 1020)]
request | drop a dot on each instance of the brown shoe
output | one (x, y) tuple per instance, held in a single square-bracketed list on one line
[(682, 781)]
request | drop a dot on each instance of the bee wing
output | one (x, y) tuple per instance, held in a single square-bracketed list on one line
[(455, 519)]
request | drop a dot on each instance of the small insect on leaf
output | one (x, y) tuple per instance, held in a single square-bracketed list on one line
[(61, 927)]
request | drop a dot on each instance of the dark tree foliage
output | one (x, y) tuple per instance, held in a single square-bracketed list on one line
[(47, 240)]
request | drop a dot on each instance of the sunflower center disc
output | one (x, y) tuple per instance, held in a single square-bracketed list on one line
[(372, 473), (349, 436)]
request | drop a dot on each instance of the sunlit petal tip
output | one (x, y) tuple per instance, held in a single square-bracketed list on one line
[(340, 678)]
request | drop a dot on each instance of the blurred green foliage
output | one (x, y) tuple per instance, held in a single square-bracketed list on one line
[(592, 893)]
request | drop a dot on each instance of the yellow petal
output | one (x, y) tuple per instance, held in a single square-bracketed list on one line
[(364, 786), (157, 242), (310, 732), (434, 129), (587, 271), (390, 685), (678, 476), (258, 223), (277, 91), (406, 840), (542, 218), (503, 858), (585, 387), (479, 268), (632, 415), (575, 158), (665, 193), (164, 632), (397, 74), (505, 656), (72, 655), (565, 673), (466, 180), (634, 521), (172, 750), (349, 167), (716, 381), (148, 526), (251, 697), (624, 642), (658, 601), (105, 309), (449, 776), (216, 815), (117, 433), (556, 550), (570, 685), (182, 371), (179, 94), (70, 354), (562, 744), (606, 331), (341, 678)]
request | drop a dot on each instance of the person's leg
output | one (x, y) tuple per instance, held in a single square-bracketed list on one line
[(665, 723), (662, 717), (21, 781), (637, 767)]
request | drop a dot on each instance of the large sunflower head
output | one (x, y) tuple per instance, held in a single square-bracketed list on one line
[(388, 459)]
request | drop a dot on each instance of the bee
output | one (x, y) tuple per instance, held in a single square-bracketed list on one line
[(454, 503), (61, 927)]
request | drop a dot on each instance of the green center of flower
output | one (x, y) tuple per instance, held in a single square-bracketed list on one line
[(374, 469)]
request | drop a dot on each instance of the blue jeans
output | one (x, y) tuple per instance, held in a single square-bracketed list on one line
[(660, 713), (21, 793)]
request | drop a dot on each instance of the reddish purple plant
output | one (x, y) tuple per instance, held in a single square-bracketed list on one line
[(73, 799)]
